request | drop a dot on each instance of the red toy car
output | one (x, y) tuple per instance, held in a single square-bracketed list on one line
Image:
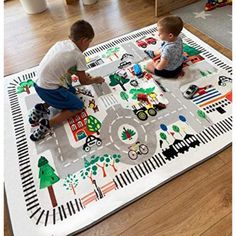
[(151, 40), (144, 43)]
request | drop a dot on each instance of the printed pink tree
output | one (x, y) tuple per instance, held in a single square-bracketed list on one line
[(71, 182), (47, 178)]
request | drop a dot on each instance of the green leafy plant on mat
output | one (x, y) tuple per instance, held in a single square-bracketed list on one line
[(71, 182), (24, 86), (47, 178), (93, 124), (116, 79), (135, 92)]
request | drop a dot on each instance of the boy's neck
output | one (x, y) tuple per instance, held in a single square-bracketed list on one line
[(77, 43)]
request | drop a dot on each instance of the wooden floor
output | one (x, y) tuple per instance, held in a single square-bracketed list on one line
[(197, 202)]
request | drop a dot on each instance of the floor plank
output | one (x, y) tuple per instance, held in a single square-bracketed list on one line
[(28, 37)]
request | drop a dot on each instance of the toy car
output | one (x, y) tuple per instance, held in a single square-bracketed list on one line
[(138, 71), (191, 90), (122, 73), (141, 44), (124, 64), (91, 141), (151, 40), (126, 56)]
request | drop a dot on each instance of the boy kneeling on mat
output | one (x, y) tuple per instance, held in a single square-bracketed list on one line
[(171, 52), (53, 85)]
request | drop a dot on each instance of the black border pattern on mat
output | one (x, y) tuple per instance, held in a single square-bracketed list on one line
[(62, 212)]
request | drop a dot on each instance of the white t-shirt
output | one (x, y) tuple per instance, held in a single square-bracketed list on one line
[(58, 64)]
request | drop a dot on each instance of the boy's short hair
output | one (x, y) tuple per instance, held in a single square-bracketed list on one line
[(172, 24), (81, 29)]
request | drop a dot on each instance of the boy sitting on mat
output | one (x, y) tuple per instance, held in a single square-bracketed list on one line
[(54, 82), (171, 52)]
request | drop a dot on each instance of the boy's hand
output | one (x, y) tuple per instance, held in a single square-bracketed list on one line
[(99, 80)]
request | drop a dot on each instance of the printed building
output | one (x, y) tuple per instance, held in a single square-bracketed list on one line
[(78, 126)]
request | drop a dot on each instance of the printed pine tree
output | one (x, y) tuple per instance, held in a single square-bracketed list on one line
[(47, 178), (71, 182), (24, 86), (190, 50), (93, 124)]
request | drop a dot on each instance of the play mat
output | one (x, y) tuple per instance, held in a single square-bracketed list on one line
[(137, 131)]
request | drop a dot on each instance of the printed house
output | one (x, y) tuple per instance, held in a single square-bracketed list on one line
[(78, 126)]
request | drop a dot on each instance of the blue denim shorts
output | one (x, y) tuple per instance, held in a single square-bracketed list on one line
[(61, 98)]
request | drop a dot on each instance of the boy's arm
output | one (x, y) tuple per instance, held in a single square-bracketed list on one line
[(162, 64), (86, 79)]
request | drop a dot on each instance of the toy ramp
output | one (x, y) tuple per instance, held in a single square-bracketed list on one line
[(135, 133)]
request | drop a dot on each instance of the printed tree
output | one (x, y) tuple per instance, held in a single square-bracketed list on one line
[(47, 178), (93, 124), (91, 167), (24, 86), (124, 95), (110, 52), (190, 50), (71, 182), (135, 92), (111, 160), (116, 79), (127, 133)]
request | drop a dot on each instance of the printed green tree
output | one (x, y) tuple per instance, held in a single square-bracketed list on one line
[(71, 182), (93, 124), (110, 52), (47, 178), (124, 95), (24, 86), (190, 50), (135, 92), (88, 172), (127, 133), (111, 160), (116, 79)]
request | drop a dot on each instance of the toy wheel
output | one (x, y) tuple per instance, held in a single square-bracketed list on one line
[(99, 142), (153, 42), (87, 149), (152, 112), (134, 83), (142, 115), (144, 46), (132, 155), (143, 149)]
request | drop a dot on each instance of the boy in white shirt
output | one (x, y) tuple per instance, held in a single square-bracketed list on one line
[(54, 79)]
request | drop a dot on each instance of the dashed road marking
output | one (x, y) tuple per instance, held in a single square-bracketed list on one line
[(107, 144), (67, 164), (116, 146)]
